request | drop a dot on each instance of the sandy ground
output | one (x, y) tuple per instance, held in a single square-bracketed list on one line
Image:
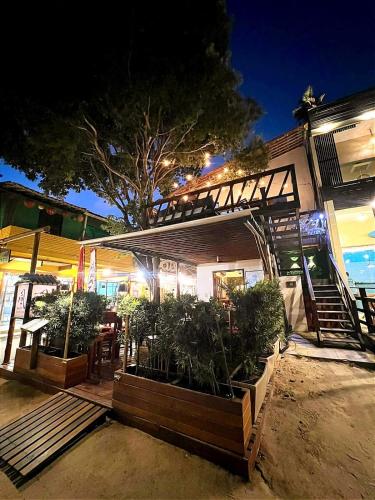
[(319, 442)]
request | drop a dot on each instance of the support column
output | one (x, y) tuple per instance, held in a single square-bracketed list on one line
[(155, 280), (33, 264), (12, 323), (178, 291)]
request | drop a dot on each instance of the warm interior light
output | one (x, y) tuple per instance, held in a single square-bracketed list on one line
[(140, 276), (327, 127), (369, 115), (107, 272)]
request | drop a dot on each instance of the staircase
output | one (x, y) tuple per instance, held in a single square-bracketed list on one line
[(285, 241), (335, 323)]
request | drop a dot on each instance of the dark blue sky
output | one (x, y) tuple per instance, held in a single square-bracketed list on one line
[(280, 48)]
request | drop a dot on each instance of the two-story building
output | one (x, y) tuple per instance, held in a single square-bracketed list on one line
[(23, 209)]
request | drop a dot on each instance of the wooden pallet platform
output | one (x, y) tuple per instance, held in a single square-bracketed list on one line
[(30, 442)]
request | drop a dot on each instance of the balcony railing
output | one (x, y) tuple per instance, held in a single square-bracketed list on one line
[(268, 191)]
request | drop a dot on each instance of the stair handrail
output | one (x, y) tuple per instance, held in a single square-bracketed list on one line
[(346, 294), (314, 308)]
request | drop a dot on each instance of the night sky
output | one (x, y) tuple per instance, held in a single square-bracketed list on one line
[(280, 48)]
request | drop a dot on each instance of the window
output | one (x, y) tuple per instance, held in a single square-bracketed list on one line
[(227, 280), (356, 151)]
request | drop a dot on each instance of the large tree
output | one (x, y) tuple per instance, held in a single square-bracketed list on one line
[(124, 103)]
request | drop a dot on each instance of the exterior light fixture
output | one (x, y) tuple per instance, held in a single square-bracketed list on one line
[(327, 127), (368, 115), (107, 272)]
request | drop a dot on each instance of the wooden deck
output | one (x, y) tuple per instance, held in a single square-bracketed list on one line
[(30, 442)]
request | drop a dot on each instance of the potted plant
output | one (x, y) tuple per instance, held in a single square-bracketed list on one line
[(198, 410), (125, 309), (86, 314), (259, 319)]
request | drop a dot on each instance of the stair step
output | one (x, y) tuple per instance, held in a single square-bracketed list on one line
[(286, 234), (330, 292), (338, 330), (334, 320), (332, 311), (322, 288), (328, 303), (285, 224)]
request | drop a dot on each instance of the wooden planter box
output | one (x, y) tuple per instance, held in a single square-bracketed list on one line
[(213, 427), (51, 369), (272, 359), (259, 388)]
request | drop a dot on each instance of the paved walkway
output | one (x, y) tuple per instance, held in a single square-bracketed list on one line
[(299, 346)]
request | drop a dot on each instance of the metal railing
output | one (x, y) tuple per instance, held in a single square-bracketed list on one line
[(367, 309), (314, 321), (268, 191), (346, 295)]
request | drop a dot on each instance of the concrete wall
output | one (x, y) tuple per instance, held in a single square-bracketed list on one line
[(305, 186), (205, 282), (291, 288)]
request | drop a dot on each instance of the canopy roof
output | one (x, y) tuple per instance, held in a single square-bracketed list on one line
[(222, 238)]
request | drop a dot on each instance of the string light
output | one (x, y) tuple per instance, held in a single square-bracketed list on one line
[(239, 172), (208, 184), (226, 169), (208, 163), (220, 176), (166, 163), (207, 156), (175, 185), (185, 198), (189, 177)]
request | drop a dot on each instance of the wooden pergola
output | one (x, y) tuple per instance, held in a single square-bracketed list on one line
[(222, 238)]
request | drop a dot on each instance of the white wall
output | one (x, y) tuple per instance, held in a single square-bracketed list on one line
[(205, 281), (305, 186), (294, 304)]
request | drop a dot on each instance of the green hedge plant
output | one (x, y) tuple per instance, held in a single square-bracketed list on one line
[(87, 313)]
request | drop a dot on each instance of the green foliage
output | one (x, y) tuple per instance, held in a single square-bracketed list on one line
[(87, 312), (259, 317), (148, 99), (127, 305)]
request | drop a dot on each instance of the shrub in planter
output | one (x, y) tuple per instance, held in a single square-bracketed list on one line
[(200, 347), (87, 313), (259, 318)]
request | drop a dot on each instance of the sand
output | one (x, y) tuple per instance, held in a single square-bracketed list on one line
[(318, 443)]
